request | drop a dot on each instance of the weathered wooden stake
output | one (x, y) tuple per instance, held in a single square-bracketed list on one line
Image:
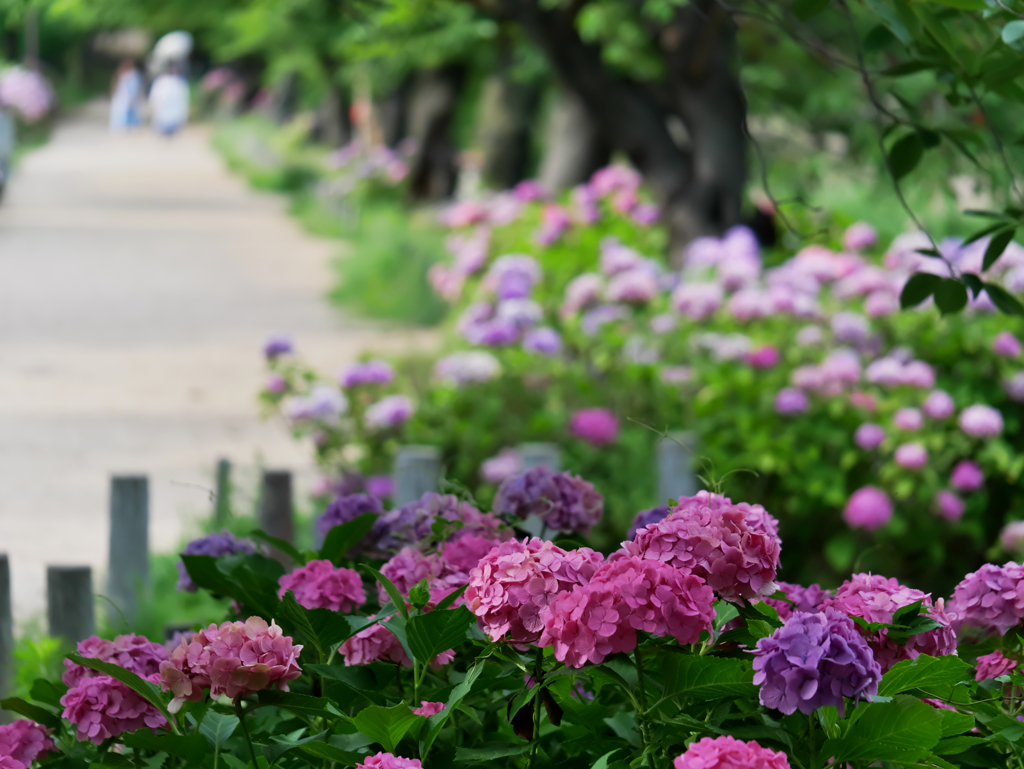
[(534, 454), (222, 504), (69, 603), (128, 570), (6, 635), (276, 515), (676, 476), (417, 471)]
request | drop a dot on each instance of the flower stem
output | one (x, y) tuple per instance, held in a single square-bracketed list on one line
[(245, 730), (641, 711), (538, 680)]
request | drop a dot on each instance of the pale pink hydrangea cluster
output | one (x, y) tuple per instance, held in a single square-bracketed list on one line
[(102, 707), (319, 585), (734, 548), (131, 652), (389, 761), (233, 659), (993, 665), (990, 600), (874, 598), (24, 741), (624, 596), (513, 586), (727, 752), (378, 644)]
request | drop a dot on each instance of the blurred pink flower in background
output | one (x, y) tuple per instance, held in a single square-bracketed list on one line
[(1011, 538), (790, 401), (859, 235), (504, 464), (981, 421), (596, 426), (939, 405), (868, 508), (763, 357), (908, 419), (912, 456), (949, 505), (967, 476), (1007, 345), (869, 436)]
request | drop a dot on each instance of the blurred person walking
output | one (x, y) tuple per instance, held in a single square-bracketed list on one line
[(168, 101), (126, 101)]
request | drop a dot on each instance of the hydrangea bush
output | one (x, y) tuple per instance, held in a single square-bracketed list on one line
[(867, 429), (466, 641)]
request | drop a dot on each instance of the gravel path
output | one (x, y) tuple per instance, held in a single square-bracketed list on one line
[(138, 280)]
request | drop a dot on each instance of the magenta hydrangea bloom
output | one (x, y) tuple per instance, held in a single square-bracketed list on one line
[(763, 357), (1007, 345), (562, 501), (216, 545), (428, 709), (371, 372), (939, 405), (598, 427), (967, 476), (874, 598), (981, 421), (102, 707), (410, 566), (789, 401), (812, 661), (868, 508), (990, 600), (1011, 538), (993, 665), (389, 761), (131, 652), (232, 659), (465, 553), (912, 456), (376, 643), (908, 419), (319, 585), (727, 752), (513, 586), (949, 505), (587, 624), (809, 599), (869, 436), (25, 741), (734, 548)]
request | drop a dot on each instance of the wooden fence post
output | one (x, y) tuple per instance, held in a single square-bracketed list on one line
[(6, 635), (276, 514), (534, 454), (128, 570), (417, 471), (676, 476), (222, 504), (69, 602)]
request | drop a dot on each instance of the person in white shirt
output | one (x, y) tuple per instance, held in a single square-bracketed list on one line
[(168, 102)]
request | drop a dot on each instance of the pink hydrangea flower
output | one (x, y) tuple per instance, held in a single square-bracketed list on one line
[(376, 643), (583, 290), (859, 235), (790, 401), (1011, 538), (465, 553), (967, 476), (731, 547), (598, 426), (319, 585), (990, 599), (864, 401), (25, 741), (637, 286), (587, 624), (505, 464), (389, 761), (912, 456), (908, 419), (727, 752), (876, 599), (869, 436), (939, 405), (1007, 345), (131, 652), (428, 709), (6, 762), (949, 505), (981, 421), (993, 665), (233, 659), (763, 357), (868, 508), (102, 707), (697, 301), (513, 586)]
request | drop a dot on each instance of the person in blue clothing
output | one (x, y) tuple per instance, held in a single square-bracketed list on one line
[(168, 102), (126, 102)]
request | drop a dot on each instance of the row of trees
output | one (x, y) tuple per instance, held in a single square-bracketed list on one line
[(675, 85)]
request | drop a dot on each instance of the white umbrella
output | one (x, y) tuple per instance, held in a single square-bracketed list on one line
[(174, 46)]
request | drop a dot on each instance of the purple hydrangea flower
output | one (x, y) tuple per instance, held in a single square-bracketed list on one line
[(868, 508), (859, 235), (412, 522), (389, 412), (1014, 387), (939, 405), (380, 486), (277, 345), (646, 214), (869, 436), (216, 545), (529, 190), (812, 661), (513, 276), (347, 508), (851, 328), (790, 401), (912, 456), (949, 505), (544, 340), (276, 384), (696, 300), (467, 367), (563, 502), (554, 221), (967, 476), (990, 599), (645, 518), (1007, 345), (371, 372), (504, 464), (763, 357), (808, 598), (323, 404), (981, 421), (908, 419), (592, 320)]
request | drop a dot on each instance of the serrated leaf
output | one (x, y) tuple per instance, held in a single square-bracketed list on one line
[(904, 730), (145, 689), (341, 540), (218, 728), (437, 631), (392, 591), (27, 709), (920, 286), (951, 296), (1006, 302), (707, 678), (996, 247), (386, 726), (954, 723), (935, 675), (419, 594), (905, 154), (191, 747)]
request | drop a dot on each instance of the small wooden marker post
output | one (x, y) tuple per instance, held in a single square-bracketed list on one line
[(534, 454), (276, 512), (128, 570), (417, 471), (222, 504), (69, 603), (6, 635), (676, 477)]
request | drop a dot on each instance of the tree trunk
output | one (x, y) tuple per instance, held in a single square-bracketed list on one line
[(284, 99), (393, 114), (573, 145), (433, 171), (506, 113), (332, 125)]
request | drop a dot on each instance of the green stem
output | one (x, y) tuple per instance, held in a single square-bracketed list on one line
[(641, 711), (245, 730), (538, 680)]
